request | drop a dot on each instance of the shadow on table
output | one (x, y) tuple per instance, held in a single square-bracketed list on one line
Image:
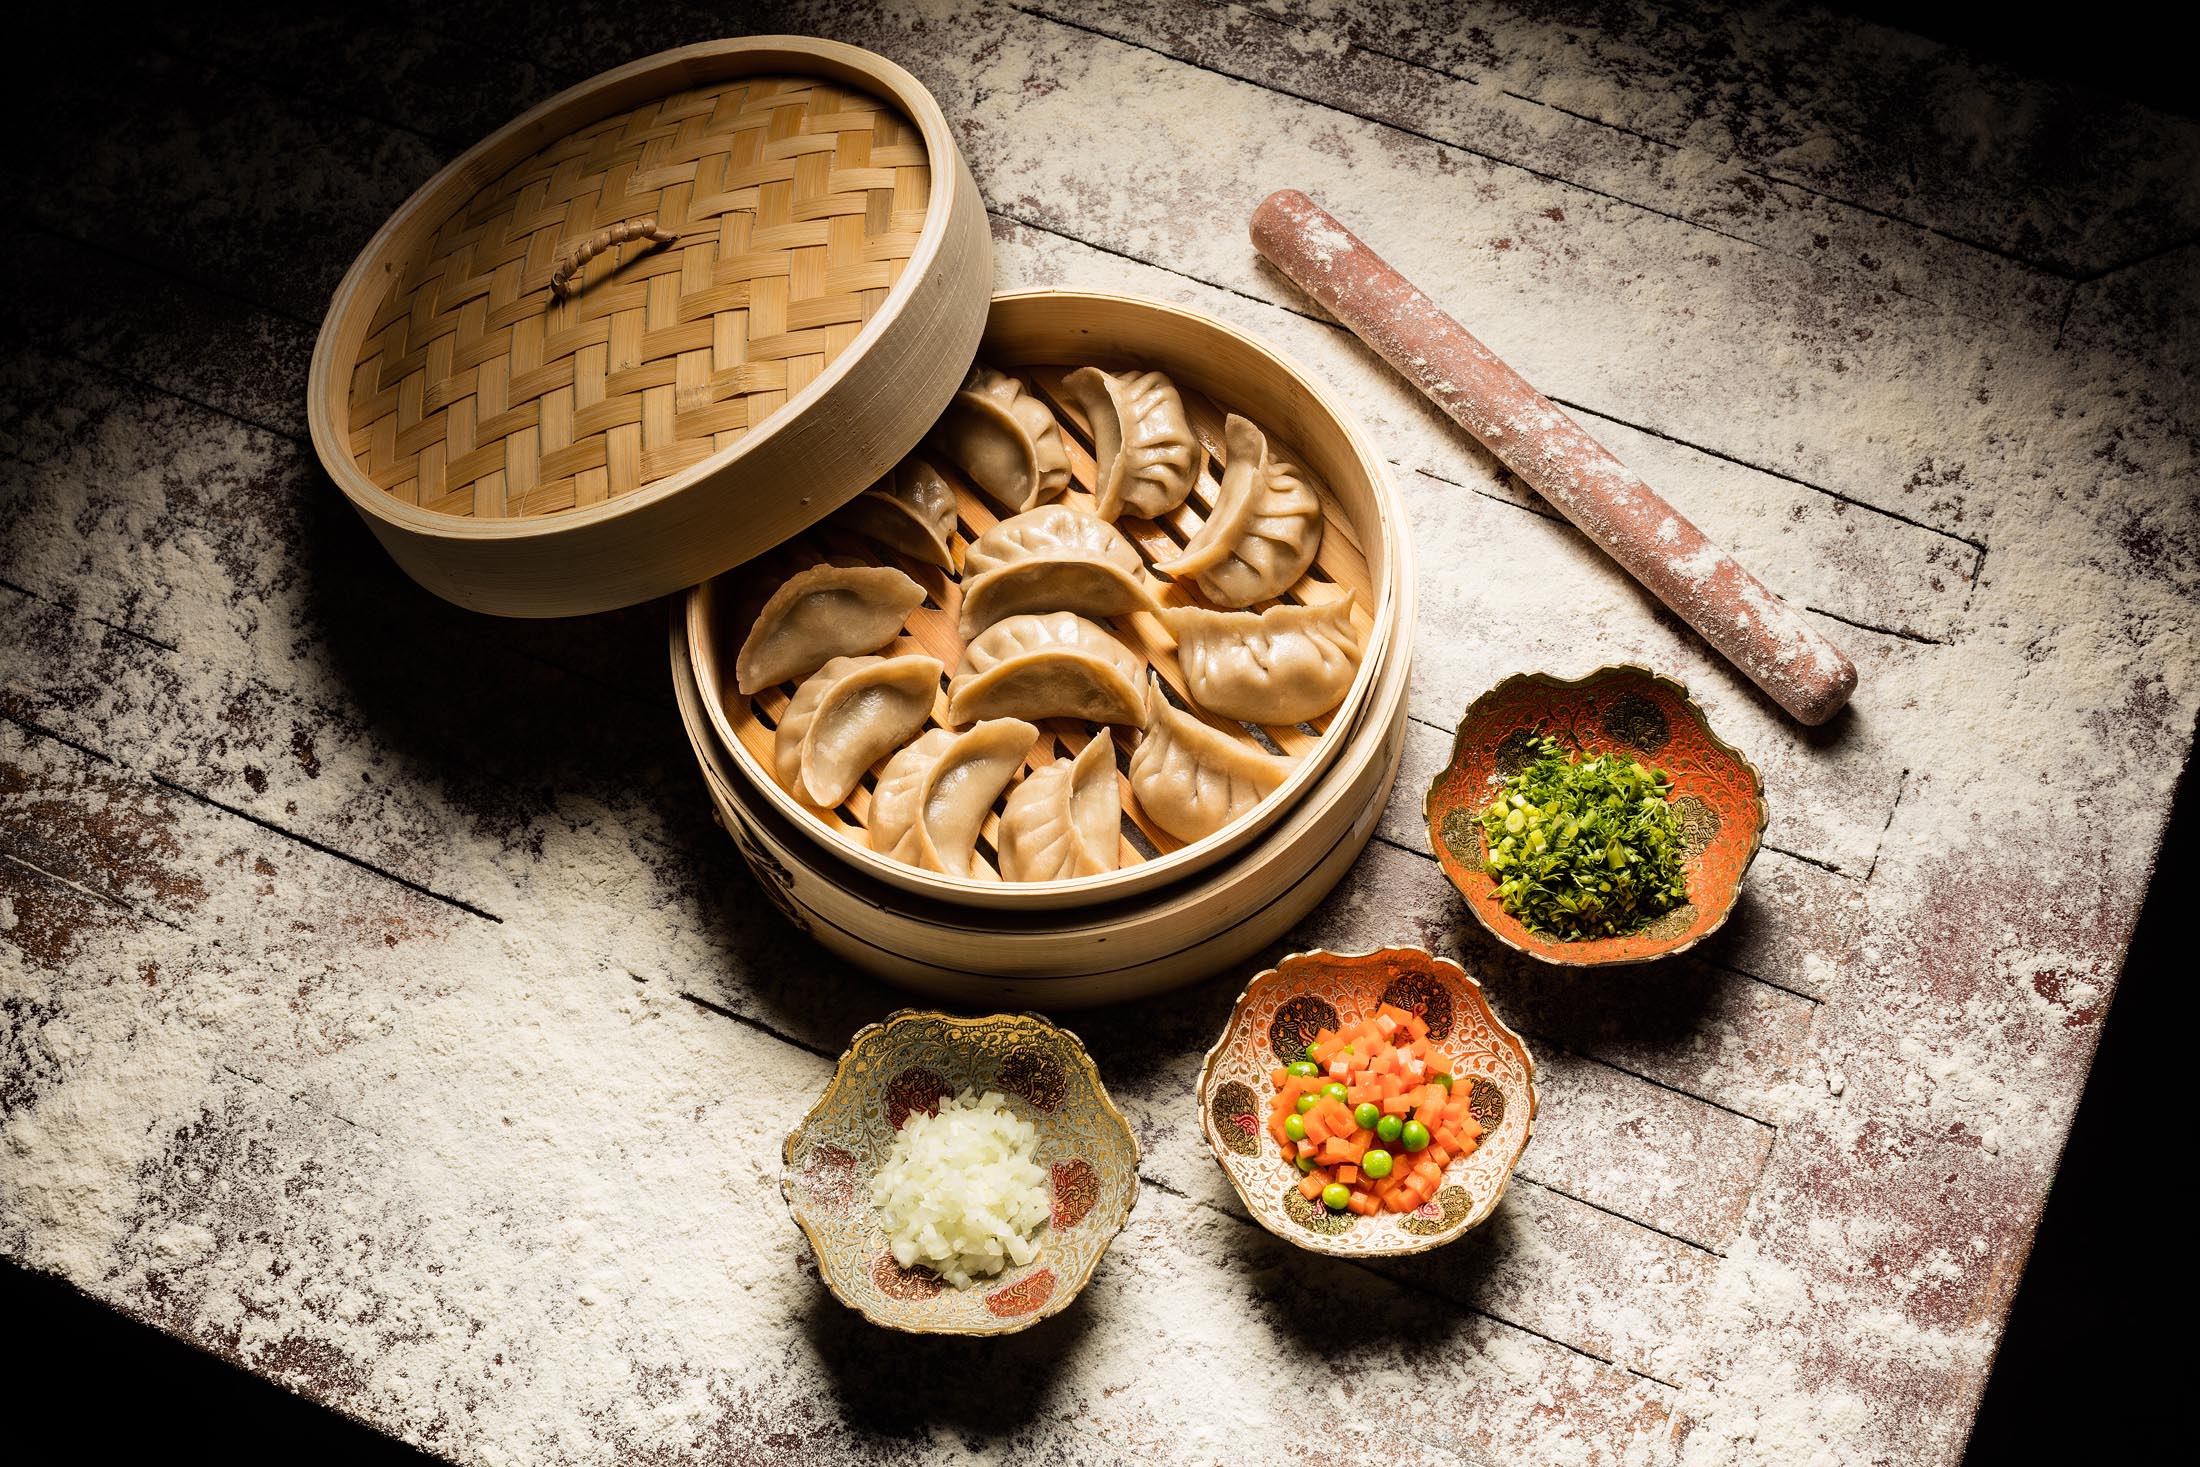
[(898, 1385)]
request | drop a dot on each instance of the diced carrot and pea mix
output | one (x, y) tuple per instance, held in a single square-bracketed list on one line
[(1369, 1116)]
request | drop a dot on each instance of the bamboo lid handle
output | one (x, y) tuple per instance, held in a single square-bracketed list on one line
[(572, 256)]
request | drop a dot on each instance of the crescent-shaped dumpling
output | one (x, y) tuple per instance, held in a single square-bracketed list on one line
[(1192, 780), (1053, 558), (1142, 443), (932, 799), (1005, 440), (1056, 665), (1265, 530), (1283, 665), (847, 716), (1064, 819), (910, 510), (821, 613)]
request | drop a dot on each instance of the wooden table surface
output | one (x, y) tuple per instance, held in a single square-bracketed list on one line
[(383, 1011)]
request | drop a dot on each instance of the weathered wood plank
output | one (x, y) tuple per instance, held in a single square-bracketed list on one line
[(1313, 56), (1854, 111), (211, 175), (1631, 313)]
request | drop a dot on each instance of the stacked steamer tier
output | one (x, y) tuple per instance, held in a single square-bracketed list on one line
[(1173, 910)]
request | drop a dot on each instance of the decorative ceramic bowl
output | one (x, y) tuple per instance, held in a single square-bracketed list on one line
[(1276, 1016), (909, 1063), (1627, 710)]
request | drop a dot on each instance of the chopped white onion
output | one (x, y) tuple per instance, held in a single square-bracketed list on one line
[(960, 1193)]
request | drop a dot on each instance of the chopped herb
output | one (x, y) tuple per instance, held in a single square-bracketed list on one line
[(1586, 847)]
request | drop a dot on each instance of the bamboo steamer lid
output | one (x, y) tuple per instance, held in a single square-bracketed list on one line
[(654, 326)]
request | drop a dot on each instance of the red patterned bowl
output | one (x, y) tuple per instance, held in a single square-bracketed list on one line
[(908, 1064), (1270, 1025), (1629, 710)]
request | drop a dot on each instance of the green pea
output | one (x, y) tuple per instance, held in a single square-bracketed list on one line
[(1336, 1196), (1415, 1136), (1442, 1079), (1365, 1116), (1376, 1164), (1306, 1163), (1294, 1128), (1388, 1128), (1309, 1050), (1308, 1101), (1302, 1067), (1335, 1092)]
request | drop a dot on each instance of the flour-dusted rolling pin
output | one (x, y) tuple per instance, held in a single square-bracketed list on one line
[(1759, 633)]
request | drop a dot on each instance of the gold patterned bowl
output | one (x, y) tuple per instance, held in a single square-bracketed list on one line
[(1623, 709), (1271, 1024), (909, 1063)]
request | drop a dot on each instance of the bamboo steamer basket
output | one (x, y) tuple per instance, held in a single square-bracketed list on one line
[(583, 364), (1055, 959), (1037, 334)]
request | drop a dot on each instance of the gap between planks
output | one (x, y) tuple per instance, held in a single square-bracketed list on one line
[(1561, 1048), (1753, 170), (199, 797), (1388, 126), (1147, 1179)]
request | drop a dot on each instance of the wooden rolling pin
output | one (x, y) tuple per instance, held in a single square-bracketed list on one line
[(1733, 610)]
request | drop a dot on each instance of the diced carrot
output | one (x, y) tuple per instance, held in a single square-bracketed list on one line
[(1419, 1028), (1348, 1174), (1302, 1148), (1310, 1186), (1363, 1204), (1317, 1129), (1446, 1137), (1439, 1155), (1278, 1075), (1385, 1025), (1402, 1199), (1398, 1105), (1431, 1112)]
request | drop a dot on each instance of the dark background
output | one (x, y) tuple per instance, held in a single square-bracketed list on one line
[(2078, 1374)]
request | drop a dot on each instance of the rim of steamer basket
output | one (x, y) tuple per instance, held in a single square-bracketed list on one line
[(1393, 588)]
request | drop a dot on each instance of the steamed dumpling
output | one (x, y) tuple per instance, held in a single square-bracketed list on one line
[(931, 802), (847, 716), (1057, 665), (1141, 441), (821, 613), (1265, 530), (1064, 819), (910, 510), (1053, 558), (1005, 440), (1192, 780), (1283, 665)]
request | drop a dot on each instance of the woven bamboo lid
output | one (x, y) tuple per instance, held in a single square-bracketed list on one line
[(655, 326)]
